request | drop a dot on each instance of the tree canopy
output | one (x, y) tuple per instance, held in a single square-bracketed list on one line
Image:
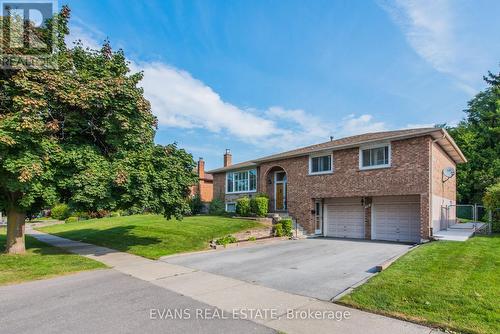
[(84, 134), (478, 136)]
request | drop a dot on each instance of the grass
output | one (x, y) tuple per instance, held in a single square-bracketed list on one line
[(451, 285), (151, 236), (40, 261)]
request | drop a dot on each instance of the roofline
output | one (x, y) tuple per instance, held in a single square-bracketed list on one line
[(345, 146), (455, 146), (274, 157)]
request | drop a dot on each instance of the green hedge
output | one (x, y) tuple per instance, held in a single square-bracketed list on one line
[(216, 207), (71, 219), (278, 230), (60, 211), (243, 206), (259, 206), (287, 227)]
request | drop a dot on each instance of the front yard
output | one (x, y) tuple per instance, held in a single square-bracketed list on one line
[(453, 285), (151, 236), (40, 261)]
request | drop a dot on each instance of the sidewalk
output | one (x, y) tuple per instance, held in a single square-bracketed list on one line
[(230, 294)]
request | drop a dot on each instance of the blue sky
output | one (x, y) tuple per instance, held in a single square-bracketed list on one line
[(260, 77)]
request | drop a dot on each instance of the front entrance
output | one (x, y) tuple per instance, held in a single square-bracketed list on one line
[(280, 185)]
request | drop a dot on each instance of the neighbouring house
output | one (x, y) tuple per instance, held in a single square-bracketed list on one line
[(393, 185), (204, 188)]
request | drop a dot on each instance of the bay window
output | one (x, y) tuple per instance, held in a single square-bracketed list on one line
[(242, 181)]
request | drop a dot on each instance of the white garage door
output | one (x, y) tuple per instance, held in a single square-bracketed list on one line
[(396, 221), (345, 221)]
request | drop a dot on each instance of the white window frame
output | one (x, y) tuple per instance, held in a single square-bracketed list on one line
[(248, 181), (319, 155), (228, 203), (369, 147)]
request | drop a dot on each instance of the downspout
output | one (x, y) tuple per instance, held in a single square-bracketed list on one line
[(430, 183)]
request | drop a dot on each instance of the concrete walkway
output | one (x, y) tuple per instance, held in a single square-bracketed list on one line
[(459, 232), (279, 310)]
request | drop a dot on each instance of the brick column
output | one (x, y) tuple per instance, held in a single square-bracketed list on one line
[(368, 218), (424, 216)]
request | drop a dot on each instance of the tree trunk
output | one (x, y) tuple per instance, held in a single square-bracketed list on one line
[(15, 232)]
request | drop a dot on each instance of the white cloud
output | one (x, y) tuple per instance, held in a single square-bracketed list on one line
[(88, 36), (431, 29), (419, 125), (352, 125), (179, 100), (182, 101)]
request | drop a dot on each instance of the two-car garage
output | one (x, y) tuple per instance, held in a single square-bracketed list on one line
[(391, 218)]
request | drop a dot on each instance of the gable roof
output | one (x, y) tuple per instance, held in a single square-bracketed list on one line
[(440, 135)]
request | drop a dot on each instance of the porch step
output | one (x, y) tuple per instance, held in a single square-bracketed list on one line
[(298, 231)]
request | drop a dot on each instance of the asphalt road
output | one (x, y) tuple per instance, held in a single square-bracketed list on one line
[(106, 301), (320, 268)]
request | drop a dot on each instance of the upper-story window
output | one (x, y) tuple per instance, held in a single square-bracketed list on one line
[(375, 157), (320, 164), (242, 181)]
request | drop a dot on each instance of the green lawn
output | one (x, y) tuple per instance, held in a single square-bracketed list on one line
[(453, 285), (40, 261), (151, 236)]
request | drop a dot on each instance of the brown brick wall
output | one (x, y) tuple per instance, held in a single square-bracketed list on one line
[(219, 185), (441, 160), (408, 175), (206, 190)]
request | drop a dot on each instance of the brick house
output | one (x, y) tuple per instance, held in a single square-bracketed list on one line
[(205, 186), (382, 186)]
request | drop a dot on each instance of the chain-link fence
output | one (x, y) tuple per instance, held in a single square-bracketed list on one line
[(469, 213)]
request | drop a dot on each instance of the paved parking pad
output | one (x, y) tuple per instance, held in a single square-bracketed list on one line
[(320, 268)]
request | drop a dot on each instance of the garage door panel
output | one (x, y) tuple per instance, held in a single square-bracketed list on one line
[(345, 221), (396, 221)]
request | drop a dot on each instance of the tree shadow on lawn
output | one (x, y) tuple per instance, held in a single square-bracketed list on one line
[(118, 238)]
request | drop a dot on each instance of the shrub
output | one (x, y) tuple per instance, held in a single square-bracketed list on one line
[(60, 211), (491, 202), (287, 227), (228, 239), (491, 198), (99, 214), (115, 214), (216, 207), (252, 238), (259, 206), (82, 215), (71, 219), (243, 206), (278, 230), (195, 204)]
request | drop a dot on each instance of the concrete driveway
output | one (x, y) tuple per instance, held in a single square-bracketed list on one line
[(320, 268)]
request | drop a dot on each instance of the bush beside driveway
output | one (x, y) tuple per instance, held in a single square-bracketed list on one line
[(453, 285), (152, 236)]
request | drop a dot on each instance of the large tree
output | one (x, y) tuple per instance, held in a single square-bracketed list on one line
[(83, 134), (478, 135)]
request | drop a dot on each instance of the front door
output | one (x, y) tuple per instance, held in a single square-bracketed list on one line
[(280, 196), (318, 217), (280, 191)]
